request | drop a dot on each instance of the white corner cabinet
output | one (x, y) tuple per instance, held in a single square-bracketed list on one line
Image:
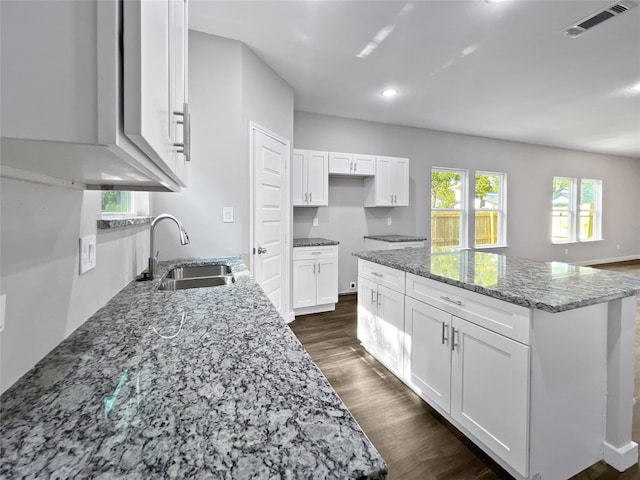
[(315, 279), (390, 186), (310, 172), (527, 386), (352, 164), (94, 93)]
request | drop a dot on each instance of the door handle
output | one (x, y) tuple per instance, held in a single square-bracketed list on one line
[(314, 268), (355, 166), (372, 292), (261, 250), (306, 197), (453, 338), (444, 328), (310, 197), (447, 299), (318, 268)]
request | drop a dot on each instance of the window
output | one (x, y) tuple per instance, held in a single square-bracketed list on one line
[(590, 210), (448, 208), (489, 205), (576, 213), (117, 202)]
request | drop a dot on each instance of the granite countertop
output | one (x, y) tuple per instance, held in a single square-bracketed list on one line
[(396, 238), (313, 242), (549, 286), (200, 383)]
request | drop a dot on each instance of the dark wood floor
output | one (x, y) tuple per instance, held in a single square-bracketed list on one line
[(414, 440)]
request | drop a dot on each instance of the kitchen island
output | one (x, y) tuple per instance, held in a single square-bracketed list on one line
[(199, 383), (533, 361)]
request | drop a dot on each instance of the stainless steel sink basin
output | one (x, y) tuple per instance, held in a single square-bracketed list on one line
[(192, 271), (197, 276)]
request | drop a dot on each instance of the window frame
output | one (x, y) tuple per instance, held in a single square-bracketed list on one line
[(597, 210), (574, 210), (570, 210), (502, 209), (464, 205)]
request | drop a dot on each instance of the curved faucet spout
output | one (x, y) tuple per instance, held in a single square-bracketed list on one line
[(184, 240)]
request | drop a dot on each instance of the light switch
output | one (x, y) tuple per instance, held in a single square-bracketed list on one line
[(87, 253), (227, 214), (388, 220), (315, 222)]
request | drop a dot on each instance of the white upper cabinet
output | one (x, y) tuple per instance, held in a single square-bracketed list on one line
[(352, 164), (390, 186), (310, 173), (94, 92)]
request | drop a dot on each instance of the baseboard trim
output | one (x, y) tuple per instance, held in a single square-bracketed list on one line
[(621, 458)]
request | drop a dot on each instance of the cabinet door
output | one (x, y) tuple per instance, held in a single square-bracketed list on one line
[(178, 38), (298, 178), (318, 179), (327, 281), (147, 107), (428, 352), (367, 309), (340, 163), (383, 182), (490, 390), (304, 283), (364, 164), (399, 182), (390, 329)]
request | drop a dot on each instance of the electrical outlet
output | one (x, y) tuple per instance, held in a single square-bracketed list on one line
[(352, 285), (566, 251), (87, 253), (3, 303), (388, 220), (618, 247), (316, 222), (227, 214)]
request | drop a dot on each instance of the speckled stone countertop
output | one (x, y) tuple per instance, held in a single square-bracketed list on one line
[(396, 238), (200, 383), (549, 286), (313, 242)]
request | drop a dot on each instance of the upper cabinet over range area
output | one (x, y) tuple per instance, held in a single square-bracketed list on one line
[(94, 93), (386, 179)]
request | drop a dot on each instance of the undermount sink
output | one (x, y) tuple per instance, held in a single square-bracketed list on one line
[(192, 271), (197, 276)]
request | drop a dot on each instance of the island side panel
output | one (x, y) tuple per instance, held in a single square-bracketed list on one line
[(619, 450)]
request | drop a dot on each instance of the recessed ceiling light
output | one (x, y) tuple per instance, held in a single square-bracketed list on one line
[(389, 92)]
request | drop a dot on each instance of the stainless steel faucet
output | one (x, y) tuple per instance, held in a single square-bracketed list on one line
[(184, 240)]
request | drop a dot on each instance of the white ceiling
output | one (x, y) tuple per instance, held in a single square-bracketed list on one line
[(501, 70)]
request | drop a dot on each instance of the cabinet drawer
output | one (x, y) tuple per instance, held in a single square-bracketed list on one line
[(401, 245), (311, 253), (389, 277), (504, 318)]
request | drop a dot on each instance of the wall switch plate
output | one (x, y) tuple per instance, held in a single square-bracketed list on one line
[(388, 220), (316, 222), (227, 214), (87, 253), (3, 303)]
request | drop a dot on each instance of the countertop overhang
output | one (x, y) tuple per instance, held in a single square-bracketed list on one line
[(548, 286), (200, 383)]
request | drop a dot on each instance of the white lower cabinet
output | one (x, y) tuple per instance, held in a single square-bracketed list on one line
[(315, 279)]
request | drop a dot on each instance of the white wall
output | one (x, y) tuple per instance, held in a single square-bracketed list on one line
[(228, 87), (529, 168), (46, 297)]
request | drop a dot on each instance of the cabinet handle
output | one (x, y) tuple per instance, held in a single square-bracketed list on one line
[(186, 132), (355, 166), (447, 299), (444, 328), (372, 292), (453, 338), (378, 299), (314, 268), (395, 199), (376, 274), (350, 166), (306, 197), (310, 197), (318, 268), (392, 198)]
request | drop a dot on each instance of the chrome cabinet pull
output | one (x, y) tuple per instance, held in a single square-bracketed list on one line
[(376, 274), (318, 268), (447, 299), (453, 338), (186, 132), (378, 299), (392, 198), (372, 292), (314, 268), (306, 197), (310, 197), (355, 166), (444, 337), (350, 166)]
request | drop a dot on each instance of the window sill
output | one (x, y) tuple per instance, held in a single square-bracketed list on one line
[(111, 222), (578, 242), (489, 247)]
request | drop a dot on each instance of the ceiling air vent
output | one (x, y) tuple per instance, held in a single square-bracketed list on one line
[(578, 28)]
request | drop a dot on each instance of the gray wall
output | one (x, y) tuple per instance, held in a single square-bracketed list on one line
[(529, 168), (47, 299), (229, 86)]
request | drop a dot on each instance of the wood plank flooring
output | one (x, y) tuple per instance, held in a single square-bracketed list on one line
[(414, 440)]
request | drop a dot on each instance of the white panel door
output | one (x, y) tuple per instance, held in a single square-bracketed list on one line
[(390, 328), (490, 390), (327, 281), (178, 48), (340, 163), (147, 115), (399, 181), (428, 351), (383, 182), (271, 213), (298, 177), (364, 164)]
